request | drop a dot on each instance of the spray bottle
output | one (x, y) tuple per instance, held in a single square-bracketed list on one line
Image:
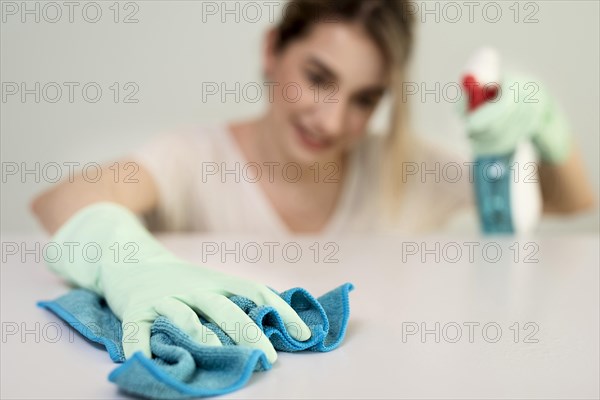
[(507, 196)]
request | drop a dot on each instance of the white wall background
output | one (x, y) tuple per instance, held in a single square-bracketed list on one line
[(171, 51)]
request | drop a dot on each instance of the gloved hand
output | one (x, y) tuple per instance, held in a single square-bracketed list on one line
[(522, 110), (141, 281)]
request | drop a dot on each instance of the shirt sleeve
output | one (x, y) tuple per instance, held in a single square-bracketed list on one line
[(169, 157)]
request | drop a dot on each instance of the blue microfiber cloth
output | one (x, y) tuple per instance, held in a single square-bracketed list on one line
[(182, 368)]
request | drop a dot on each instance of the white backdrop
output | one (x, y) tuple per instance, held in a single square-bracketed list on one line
[(168, 49)]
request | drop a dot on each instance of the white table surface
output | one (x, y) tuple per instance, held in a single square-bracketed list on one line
[(559, 294)]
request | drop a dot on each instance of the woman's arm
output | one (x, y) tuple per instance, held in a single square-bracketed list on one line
[(565, 187), (103, 213), (136, 192)]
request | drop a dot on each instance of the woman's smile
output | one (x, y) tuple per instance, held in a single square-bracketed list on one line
[(309, 139)]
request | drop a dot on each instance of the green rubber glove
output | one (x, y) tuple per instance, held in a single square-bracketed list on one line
[(523, 110), (141, 281)]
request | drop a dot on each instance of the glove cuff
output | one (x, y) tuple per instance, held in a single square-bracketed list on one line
[(96, 235), (554, 141)]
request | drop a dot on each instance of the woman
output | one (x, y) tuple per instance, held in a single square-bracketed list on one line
[(352, 52)]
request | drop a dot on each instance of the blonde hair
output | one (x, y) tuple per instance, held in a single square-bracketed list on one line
[(390, 23)]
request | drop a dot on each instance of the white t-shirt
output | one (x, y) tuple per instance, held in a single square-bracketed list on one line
[(205, 184)]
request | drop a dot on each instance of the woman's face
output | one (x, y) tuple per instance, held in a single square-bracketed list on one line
[(326, 86)]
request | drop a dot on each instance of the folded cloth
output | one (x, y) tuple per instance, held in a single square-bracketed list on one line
[(182, 368)]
